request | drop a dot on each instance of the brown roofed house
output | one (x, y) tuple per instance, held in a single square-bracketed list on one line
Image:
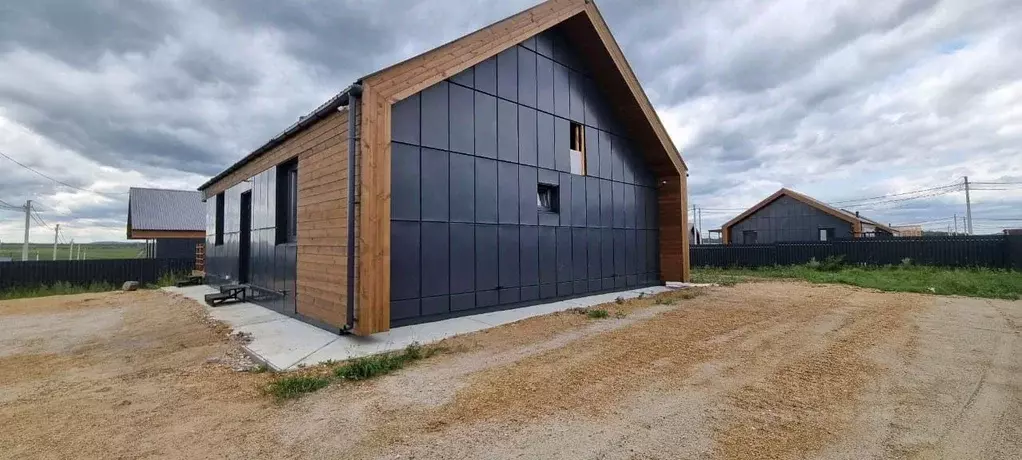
[(517, 165)]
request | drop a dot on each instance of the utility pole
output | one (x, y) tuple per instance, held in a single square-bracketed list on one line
[(695, 225), (56, 235), (79, 252), (71, 250), (700, 239), (956, 224), (968, 207), (28, 215)]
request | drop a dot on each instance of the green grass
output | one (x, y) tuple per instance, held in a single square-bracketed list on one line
[(291, 387), (64, 288), (597, 314), (971, 282), (89, 250), (60, 288), (376, 365)]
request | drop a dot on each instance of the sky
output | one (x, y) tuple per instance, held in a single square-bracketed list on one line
[(840, 100)]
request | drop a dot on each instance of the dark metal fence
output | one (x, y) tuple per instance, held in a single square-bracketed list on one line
[(997, 251), (114, 271)]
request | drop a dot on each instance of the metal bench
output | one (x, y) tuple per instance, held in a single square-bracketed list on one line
[(228, 294)]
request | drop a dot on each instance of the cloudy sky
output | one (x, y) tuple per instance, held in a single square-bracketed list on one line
[(841, 100)]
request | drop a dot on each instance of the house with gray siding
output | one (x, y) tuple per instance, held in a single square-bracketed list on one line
[(517, 165), (172, 222), (789, 216)]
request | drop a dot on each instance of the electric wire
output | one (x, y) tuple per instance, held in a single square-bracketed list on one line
[(58, 181)]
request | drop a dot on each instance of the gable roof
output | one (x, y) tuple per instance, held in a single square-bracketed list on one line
[(584, 27), (847, 216), (151, 209)]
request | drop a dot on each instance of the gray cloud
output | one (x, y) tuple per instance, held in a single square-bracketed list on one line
[(838, 99)]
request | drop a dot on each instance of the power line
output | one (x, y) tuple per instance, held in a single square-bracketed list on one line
[(4, 203), (58, 181), (38, 218), (943, 187), (899, 200)]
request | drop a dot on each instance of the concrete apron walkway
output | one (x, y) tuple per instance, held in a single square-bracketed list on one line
[(285, 343)]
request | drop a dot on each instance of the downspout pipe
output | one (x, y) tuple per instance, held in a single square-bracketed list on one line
[(354, 93)]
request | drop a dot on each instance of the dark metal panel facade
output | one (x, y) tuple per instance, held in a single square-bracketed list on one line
[(177, 248), (788, 219), (272, 267), (490, 246)]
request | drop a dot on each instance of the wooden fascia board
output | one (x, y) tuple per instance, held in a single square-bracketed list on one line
[(169, 234), (411, 76), (372, 305), (625, 69)]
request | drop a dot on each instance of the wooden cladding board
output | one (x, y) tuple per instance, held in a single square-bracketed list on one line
[(322, 152), (674, 238), (322, 223), (373, 297)]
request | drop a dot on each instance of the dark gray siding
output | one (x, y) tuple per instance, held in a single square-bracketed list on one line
[(788, 219), (176, 248), (467, 235), (272, 268)]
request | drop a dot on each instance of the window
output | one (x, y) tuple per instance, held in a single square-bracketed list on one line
[(578, 149), (749, 237), (546, 198), (219, 222), (287, 202), (826, 234)]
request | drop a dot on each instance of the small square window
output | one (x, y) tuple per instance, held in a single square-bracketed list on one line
[(749, 237), (826, 234), (546, 198)]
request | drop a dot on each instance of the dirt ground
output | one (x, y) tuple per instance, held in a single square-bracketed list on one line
[(758, 370)]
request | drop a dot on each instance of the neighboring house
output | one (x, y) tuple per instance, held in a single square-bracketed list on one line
[(909, 231), (173, 222), (790, 216), (517, 165), (1013, 231)]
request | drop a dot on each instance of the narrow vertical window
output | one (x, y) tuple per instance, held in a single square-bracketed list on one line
[(218, 238), (578, 149), (287, 202)]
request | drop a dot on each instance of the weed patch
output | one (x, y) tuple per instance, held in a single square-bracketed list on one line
[(294, 386), (598, 314), (374, 366)]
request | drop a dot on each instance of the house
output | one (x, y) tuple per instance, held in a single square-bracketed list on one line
[(1013, 231), (518, 165), (791, 216), (907, 231), (173, 222)]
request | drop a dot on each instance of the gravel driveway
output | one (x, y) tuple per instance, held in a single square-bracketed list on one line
[(759, 370)]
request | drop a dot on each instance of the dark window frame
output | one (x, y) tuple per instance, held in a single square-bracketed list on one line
[(548, 198), (747, 233), (287, 202), (825, 234), (577, 139), (218, 222)]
